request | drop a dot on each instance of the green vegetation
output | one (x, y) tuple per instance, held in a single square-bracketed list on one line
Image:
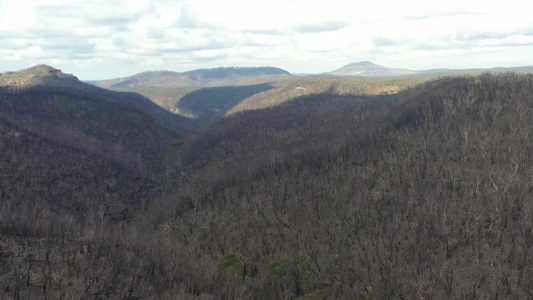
[(359, 189)]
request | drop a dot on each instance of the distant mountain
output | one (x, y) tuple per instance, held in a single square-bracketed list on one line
[(201, 77), (439, 73), (207, 104), (368, 69), (433, 70), (46, 76)]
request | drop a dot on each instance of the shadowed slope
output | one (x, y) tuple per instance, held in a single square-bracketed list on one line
[(75, 146)]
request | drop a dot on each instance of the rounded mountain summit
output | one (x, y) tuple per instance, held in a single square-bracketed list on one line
[(369, 69)]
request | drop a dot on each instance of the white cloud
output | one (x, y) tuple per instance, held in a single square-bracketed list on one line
[(188, 17), (103, 39)]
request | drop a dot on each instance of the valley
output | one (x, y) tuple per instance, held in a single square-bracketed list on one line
[(252, 183)]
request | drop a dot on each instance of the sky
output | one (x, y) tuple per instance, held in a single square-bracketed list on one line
[(101, 39)]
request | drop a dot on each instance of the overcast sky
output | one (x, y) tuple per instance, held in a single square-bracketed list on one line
[(100, 39)]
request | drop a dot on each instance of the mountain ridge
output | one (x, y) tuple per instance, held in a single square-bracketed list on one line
[(368, 69), (199, 77), (41, 76)]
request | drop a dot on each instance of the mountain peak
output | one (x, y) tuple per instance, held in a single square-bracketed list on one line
[(369, 69), (38, 75), (42, 69), (364, 63)]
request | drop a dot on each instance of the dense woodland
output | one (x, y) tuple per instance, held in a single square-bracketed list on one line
[(420, 194), (198, 78)]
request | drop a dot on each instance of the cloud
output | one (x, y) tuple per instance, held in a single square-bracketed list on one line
[(476, 40), (382, 42), (116, 37), (191, 47), (445, 13), (188, 18), (155, 33), (321, 27), (262, 32), (116, 15), (515, 40)]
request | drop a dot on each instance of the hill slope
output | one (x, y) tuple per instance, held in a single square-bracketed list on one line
[(201, 77), (71, 146), (209, 104), (329, 196), (419, 194)]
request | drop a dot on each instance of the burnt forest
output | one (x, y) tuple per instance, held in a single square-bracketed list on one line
[(266, 185)]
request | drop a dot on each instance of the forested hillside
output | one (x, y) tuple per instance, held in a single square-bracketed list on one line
[(428, 196), (70, 154), (72, 150), (424, 192), (201, 77), (207, 104)]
